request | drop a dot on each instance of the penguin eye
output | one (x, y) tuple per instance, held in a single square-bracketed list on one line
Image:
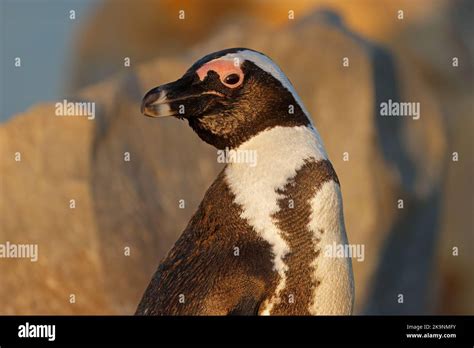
[(231, 79)]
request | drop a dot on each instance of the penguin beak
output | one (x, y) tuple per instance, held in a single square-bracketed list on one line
[(156, 104), (181, 98)]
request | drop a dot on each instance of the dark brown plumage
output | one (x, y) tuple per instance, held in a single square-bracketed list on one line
[(202, 265)]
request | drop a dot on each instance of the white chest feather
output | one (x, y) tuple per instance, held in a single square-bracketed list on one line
[(335, 293), (280, 153)]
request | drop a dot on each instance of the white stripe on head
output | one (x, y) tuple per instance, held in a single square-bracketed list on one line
[(281, 152), (268, 65)]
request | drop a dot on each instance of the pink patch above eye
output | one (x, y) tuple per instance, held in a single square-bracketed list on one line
[(223, 68)]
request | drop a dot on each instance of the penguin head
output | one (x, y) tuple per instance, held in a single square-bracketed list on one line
[(228, 97)]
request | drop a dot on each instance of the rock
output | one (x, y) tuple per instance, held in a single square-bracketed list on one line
[(35, 204), (153, 28)]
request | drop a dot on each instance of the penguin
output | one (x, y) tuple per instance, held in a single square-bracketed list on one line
[(260, 240)]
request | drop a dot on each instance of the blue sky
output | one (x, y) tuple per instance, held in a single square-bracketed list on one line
[(40, 33)]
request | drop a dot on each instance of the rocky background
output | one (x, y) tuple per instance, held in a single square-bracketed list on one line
[(135, 204)]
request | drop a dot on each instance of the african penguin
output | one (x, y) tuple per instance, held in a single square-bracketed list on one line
[(256, 244)]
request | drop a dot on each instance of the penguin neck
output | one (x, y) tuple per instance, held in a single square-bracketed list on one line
[(291, 163), (280, 151), (251, 125)]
